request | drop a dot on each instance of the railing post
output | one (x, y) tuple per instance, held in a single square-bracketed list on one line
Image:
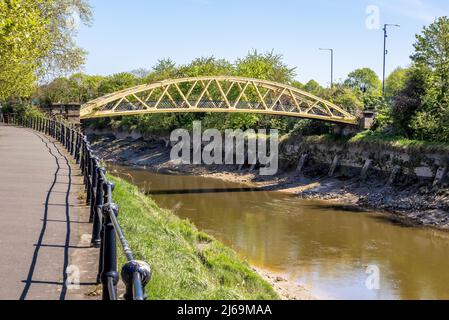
[(61, 135), (93, 194), (106, 200), (72, 146), (109, 275), (77, 148), (132, 271), (83, 158), (96, 229), (67, 138), (88, 176)]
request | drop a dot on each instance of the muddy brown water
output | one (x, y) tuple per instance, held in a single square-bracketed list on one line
[(330, 250)]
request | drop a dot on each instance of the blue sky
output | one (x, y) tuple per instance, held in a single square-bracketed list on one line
[(132, 34)]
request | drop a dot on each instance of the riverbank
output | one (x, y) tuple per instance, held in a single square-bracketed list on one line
[(186, 263), (175, 247), (414, 204)]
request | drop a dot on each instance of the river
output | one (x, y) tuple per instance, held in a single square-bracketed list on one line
[(333, 251)]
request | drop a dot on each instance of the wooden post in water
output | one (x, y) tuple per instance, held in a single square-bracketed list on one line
[(366, 167), (301, 163), (394, 174), (440, 175), (334, 166)]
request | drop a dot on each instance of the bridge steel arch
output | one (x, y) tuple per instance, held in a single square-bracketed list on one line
[(216, 94)]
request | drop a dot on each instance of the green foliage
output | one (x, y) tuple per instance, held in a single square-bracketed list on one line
[(344, 96), (164, 69), (117, 82), (208, 66), (187, 264), (432, 51), (313, 87), (381, 140), (408, 101), (23, 44), (268, 66), (64, 56), (364, 79), (431, 119), (22, 110), (78, 88), (396, 82), (307, 127), (36, 39), (367, 85)]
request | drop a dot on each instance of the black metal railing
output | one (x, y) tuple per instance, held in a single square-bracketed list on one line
[(103, 211)]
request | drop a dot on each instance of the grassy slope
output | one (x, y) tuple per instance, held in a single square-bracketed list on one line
[(379, 140), (186, 263)]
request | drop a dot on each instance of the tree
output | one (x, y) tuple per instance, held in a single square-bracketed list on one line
[(408, 101), (58, 91), (37, 39), (23, 43), (364, 79), (78, 88), (164, 69), (432, 51), (267, 66), (313, 87), (345, 97), (64, 56), (395, 82), (117, 82), (431, 57), (207, 66), (367, 85)]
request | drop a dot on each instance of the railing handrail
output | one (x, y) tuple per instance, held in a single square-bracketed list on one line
[(103, 211)]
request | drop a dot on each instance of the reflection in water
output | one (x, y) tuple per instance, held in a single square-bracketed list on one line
[(324, 248)]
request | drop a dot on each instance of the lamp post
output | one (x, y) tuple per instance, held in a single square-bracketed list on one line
[(386, 51), (332, 64)]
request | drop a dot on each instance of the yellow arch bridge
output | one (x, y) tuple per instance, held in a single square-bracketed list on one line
[(216, 94)]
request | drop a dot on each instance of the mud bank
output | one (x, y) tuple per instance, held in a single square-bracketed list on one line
[(406, 199)]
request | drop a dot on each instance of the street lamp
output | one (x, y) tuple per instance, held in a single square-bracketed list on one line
[(386, 52), (332, 64)]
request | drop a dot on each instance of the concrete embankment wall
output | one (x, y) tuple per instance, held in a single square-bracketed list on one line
[(364, 160), (345, 160)]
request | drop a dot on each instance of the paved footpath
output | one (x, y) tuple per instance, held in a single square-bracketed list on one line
[(44, 232)]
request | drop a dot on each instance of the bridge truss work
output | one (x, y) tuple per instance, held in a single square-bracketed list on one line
[(216, 94)]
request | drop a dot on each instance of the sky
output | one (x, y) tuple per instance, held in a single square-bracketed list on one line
[(131, 34)]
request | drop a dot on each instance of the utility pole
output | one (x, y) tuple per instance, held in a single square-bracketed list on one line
[(332, 64), (386, 52)]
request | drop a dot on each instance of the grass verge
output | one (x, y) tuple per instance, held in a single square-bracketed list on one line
[(187, 263), (375, 139)]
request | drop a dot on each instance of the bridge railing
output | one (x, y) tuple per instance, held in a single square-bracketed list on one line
[(103, 211)]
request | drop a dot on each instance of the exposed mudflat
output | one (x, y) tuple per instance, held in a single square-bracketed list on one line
[(417, 204)]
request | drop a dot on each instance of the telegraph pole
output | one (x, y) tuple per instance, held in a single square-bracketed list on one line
[(386, 52)]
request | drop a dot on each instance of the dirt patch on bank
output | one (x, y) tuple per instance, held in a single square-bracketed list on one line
[(286, 289)]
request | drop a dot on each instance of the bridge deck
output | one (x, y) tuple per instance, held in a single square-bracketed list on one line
[(43, 230)]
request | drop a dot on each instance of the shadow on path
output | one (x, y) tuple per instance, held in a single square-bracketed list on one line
[(29, 281)]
